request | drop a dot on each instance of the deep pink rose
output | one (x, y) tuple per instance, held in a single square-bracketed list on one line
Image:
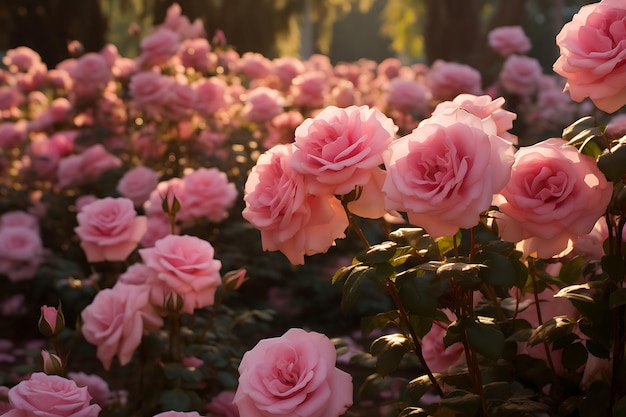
[(290, 220), (137, 184), (407, 95), (21, 252), (116, 320), (208, 193), (446, 80), (508, 40), (592, 48), (338, 149), (186, 266), (445, 172), (158, 47), (293, 375), (109, 229), (98, 388), (389, 68), (484, 107), (546, 204), (520, 75), (45, 395), (262, 104)]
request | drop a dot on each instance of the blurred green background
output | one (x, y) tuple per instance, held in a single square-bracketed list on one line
[(346, 30)]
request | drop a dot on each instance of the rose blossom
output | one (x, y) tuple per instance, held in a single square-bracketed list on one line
[(445, 172), (186, 266), (207, 194), (21, 252), (136, 274), (555, 194), (407, 95), (343, 94), (293, 375), (90, 74), (339, 149), (262, 104), (290, 220), (484, 107), (19, 218), (194, 53), (591, 54), (149, 91), (137, 184), (109, 229), (97, 387), (87, 166), (222, 405), (439, 358), (116, 320), (508, 40), (158, 47), (520, 75), (446, 80), (286, 69), (178, 414), (50, 396), (253, 65), (309, 89), (12, 133), (210, 95)]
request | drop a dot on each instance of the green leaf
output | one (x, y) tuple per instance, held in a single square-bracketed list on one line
[(580, 125), (417, 387), (574, 356), (378, 253), (413, 412), (570, 292), (351, 287), (421, 324), (552, 329), (571, 270), (419, 291), (617, 298), (565, 341), (486, 339), (379, 321), (454, 333), (597, 349), (389, 350), (173, 371), (614, 266), (499, 270), (176, 400), (447, 243), (408, 236), (612, 162), (461, 400), (462, 274)]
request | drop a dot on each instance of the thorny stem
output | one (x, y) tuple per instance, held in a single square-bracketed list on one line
[(418, 347)]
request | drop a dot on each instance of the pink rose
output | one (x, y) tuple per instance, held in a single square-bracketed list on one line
[(591, 55), (222, 405), (445, 172), (286, 69), (484, 107), (343, 94), (176, 21), (19, 218), (137, 184), (149, 91), (136, 274), (508, 40), (290, 220), (98, 388), (91, 73), (262, 104), (178, 414), (186, 266), (116, 320), (389, 68), (50, 396), (179, 101), (12, 133), (169, 189), (158, 227), (309, 89), (158, 47), (545, 206), (446, 80), (87, 166), (293, 375), (407, 95), (253, 65), (21, 59), (282, 128), (339, 149), (10, 97), (210, 95), (109, 229), (207, 194), (439, 358), (21, 252), (520, 75), (194, 53)]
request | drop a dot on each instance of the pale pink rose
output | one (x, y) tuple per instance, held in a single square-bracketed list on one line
[(137, 184), (343, 94), (21, 59), (446, 80), (186, 266), (179, 101), (484, 107), (194, 53), (21, 252), (116, 320), (591, 55), (445, 172), (253, 65), (10, 97), (293, 375), (176, 21), (84, 200), (109, 229), (520, 75), (290, 220), (338, 149), (50, 396), (222, 405), (90, 74), (439, 358), (545, 205), (158, 47), (286, 69), (178, 414), (87, 166), (210, 95), (282, 128), (158, 227), (407, 96), (149, 91), (208, 193), (136, 274), (592, 244), (97, 387), (13, 133), (309, 89), (19, 218), (262, 104), (508, 40)]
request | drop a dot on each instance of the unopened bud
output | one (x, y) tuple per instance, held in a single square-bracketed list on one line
[(174, 303), (52, 364), (51, 321), (232, 280)]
